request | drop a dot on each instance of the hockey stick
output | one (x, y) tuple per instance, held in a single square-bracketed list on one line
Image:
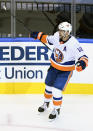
[(21, 22)]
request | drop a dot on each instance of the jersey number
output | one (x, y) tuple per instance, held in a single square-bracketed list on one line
[(80, 49)]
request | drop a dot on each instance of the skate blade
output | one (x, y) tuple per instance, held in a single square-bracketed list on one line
[(39, 113), (51, 120)]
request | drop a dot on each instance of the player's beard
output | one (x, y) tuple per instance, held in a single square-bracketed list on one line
[(64, 38)]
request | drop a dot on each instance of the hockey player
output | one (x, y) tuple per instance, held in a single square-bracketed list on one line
[(67, 51)]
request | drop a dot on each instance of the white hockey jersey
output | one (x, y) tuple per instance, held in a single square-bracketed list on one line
[(64, 55)]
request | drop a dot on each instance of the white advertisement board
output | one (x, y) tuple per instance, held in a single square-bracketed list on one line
[(29, 61)]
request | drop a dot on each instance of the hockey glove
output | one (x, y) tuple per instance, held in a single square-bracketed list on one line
[(34, 35), (39, 35), (80, 65)]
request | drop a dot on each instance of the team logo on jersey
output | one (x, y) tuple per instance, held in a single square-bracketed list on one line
[(58, 55)]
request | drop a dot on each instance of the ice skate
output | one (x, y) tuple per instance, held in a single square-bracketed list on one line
[(54, 114), (43, 107)]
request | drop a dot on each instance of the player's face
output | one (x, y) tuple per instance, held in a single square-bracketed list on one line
[(63, 34)]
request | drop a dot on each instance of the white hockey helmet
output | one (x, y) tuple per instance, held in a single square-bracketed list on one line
[(65, 26)]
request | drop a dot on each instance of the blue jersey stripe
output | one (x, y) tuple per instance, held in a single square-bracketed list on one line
[(83, 56), (66, 63)]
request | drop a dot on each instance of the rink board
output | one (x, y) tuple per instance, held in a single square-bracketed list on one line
[(38, 88), (24, 63)]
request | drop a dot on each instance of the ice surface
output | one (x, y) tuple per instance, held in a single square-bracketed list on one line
[(19, 113)]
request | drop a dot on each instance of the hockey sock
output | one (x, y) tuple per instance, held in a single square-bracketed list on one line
[(48, 93), (57, 98)]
